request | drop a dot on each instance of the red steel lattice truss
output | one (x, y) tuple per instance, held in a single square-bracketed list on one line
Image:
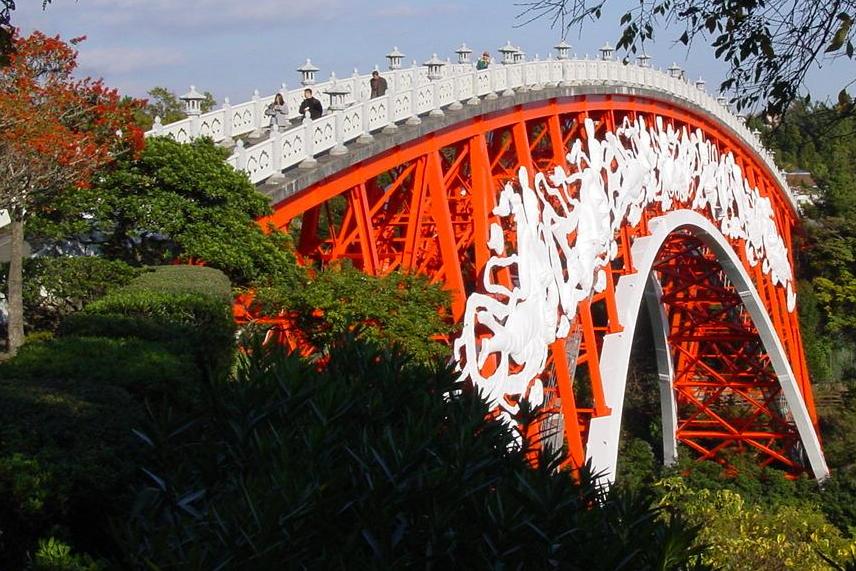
[(427, 207)]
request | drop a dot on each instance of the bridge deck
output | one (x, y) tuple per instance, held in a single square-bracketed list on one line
[(296, 179)]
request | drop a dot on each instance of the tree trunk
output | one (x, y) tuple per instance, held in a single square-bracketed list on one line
[(15, 286)]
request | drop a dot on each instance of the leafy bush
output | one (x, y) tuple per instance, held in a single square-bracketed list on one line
[(185, 308), (145, 369), (67, 454), (184, 279), (404, 309), (56, 287), (55, 555), (372, 463), (745, 535)]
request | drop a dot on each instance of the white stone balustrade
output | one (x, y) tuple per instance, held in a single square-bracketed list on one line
[(411, 94)]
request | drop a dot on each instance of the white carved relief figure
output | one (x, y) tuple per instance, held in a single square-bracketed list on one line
[(566, 225)]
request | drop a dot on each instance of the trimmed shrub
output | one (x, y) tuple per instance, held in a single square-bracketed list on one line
[(145, 369), (184, 279), (67, 453), (185, 308), (57, 287)]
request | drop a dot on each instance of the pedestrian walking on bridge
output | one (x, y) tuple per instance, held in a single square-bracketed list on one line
[(378, 84)]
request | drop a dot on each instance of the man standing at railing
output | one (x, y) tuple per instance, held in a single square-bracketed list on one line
[(378, 84), (311, 104)]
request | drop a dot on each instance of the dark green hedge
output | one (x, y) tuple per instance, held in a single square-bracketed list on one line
[(57, 287), (184, 279), (68, 406), (185, 308), (145, 369), (67, 455)]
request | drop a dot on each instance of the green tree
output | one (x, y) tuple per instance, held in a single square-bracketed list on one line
[(55, 130), (769, 46), (402, 309), (178, 201), (165, 104)]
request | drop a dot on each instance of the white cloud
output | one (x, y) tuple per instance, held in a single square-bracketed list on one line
[(203, 15), (109, 61), (411, 11)]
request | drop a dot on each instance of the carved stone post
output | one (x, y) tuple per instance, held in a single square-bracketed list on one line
[(276, 153), (258, 115), (308, 143), (241, 153), (227, 123), (414, 91)]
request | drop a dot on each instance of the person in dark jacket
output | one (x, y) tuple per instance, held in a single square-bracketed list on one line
[(378, 84), (312, 104)]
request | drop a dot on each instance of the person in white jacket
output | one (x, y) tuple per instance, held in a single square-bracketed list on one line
[(278, 112)]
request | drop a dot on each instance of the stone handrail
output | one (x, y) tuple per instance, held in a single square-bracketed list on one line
[(415, 92)]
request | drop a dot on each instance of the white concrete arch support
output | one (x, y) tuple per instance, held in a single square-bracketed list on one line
[(604, 432), (565, 227), (665, 369)]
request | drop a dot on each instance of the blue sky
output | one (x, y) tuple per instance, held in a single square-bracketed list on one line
[(230, 47)]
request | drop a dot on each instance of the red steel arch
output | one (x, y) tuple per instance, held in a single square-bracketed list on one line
[(427, 206)]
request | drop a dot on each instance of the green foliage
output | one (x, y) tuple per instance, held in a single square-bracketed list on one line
[(769, 47), (178, 201), (57, 287), (54, 555), (143, 368), (165, 104), (373, 462), (66, 457), (401, 309), (743, 535), (637, 465), (70, 404), (180, 279), (839, 430), (187, 309)]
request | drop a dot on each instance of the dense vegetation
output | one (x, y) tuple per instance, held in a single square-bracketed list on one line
[(136, 436)]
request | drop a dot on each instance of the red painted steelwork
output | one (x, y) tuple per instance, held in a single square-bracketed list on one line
[(427, 206)]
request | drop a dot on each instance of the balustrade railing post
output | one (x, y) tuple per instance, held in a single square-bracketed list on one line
[(508, 92), (366, 136), (258, 114), (276, 152), (567, 73), (414, 92), (241, 153), (491, 73), (227, 123), (474, 77), (339, 148), (390, 126), (194, 126), (356, 94), (310, 162), (435, 75), (536, 65), (456, 104), (157, 127)]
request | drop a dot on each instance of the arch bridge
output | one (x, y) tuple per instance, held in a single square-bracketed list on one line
[(553, 198)]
